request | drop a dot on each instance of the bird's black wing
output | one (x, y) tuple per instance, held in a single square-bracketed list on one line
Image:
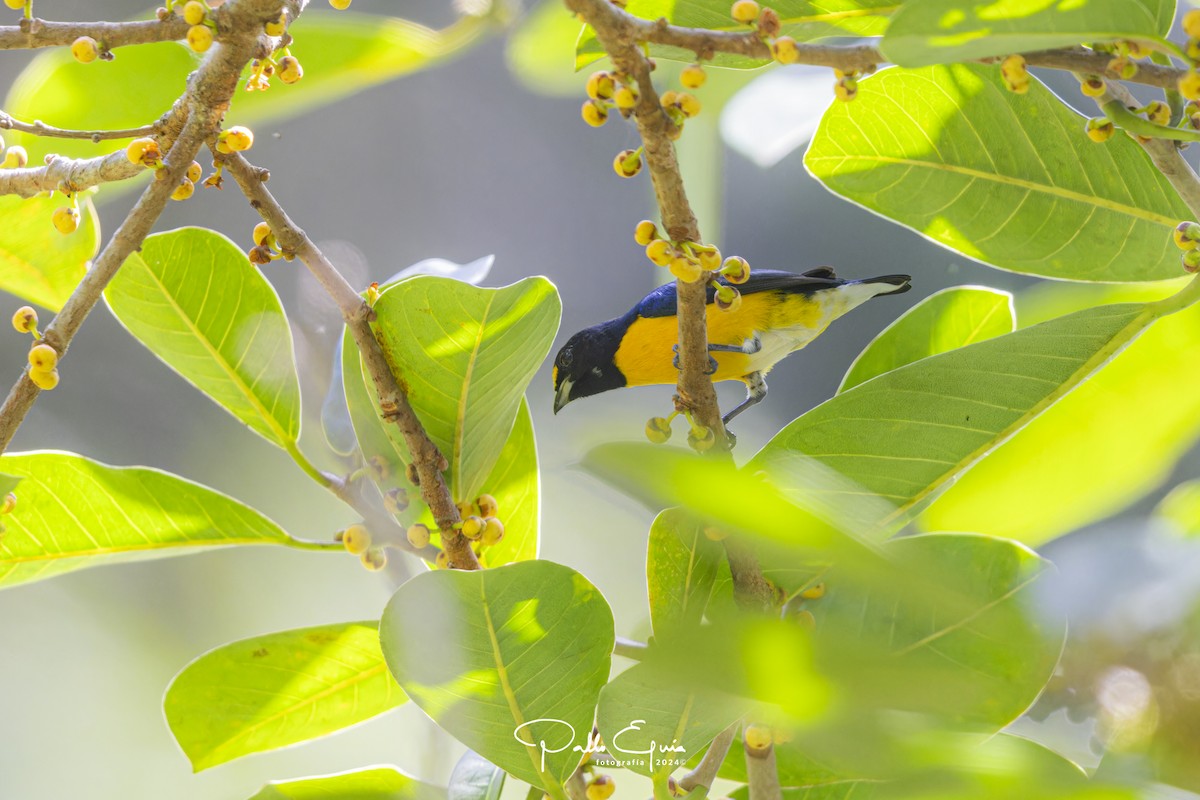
[(661, 302)]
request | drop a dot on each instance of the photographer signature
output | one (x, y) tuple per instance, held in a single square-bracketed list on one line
[(592, 744)]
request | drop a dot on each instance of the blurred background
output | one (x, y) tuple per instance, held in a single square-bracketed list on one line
[(470, 158)]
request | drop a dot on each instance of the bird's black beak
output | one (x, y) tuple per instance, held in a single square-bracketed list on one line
[(563, 395)]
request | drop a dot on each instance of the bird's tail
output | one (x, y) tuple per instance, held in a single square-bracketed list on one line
[(902, 283)]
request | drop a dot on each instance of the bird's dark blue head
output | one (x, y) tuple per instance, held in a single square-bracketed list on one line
[(586, 363)]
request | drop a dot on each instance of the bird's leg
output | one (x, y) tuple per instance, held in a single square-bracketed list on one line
[(712, 362), (749, 347), (756, 390)]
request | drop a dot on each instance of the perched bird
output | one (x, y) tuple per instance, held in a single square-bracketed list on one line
[(780, 313)]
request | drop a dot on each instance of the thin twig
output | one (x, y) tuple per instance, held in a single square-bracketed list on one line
[(706, 771), (393, 400), (203, 105), (34, 33), (39, 128)]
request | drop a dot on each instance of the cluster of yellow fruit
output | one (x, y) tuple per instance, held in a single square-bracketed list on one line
[(43, 359), (1187, 237), (1015, 74), (265, 249), (601, 787), (200, 35), (357, 541), (287, 68), (1100, 129), (759, 737), (480, 524), (86, 50), (700, 438), (15, 157), (688, 261)]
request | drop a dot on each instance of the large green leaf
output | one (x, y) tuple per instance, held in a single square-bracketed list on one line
[(37, 263), (1007, 179), (681, 565), (342, 53), (514, 481), (652, 725), (465, 355), (193, 300), (908, 433), (373, 783), (1108, 443), (803, 20), (493, 655), (272, 691), (74, 513), (944, 321), (940, 31)]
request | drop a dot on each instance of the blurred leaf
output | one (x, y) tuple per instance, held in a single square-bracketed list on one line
[(473, 272), (272, 691), (776, 113), (680, 567), (942, 31), (642, 711), (520, 650), (942, 322), (541, 51), (342, 52), (465, 355), (371, 783), (336, 424), (1034, 195), (908, 433), (74, 513), (193, 300), (37, 263), (8, 483), (1103, 446), (803, 20), (1181, 508), (475, 778)]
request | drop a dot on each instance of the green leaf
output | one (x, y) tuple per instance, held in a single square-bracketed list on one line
[(37, 263), (1181, 508), (942, 322), (520, 650), (908, 433), (1059, 473), (373, 783), (681, 565), (194, 301), (641, 712), (475, 778), (272, 691), (981, 659), (803, 20), (1010, 180), (927, 32), (74, 513), (343, 53), (466, 355)]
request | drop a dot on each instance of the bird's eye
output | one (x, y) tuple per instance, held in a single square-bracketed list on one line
[(564, 358)]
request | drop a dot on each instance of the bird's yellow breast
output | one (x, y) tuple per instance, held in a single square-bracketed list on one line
[(784, 322)]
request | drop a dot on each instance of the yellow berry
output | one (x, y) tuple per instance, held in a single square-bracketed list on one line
[(685, 269), (628, 163), (1093, 86), (645, 232), (688, 104), (658, 429), (8, 504), (43, 357), (1158, 112), (784, 50), (1014, 66), (601, 787), (143, 151), (85, 50), (277, 27), (262, 233), (15, 158), (715, 534), (625, 98), (493, 531), (374, 559), (1100, 129), (418, 535), (65, 219), (594, 113), (199, 38), (25, 319), (356, 539), (260, 254), (757, 737), (745, 11), (395, 500), (814, 592), (1018, 86), (736, 270), (701, 439), (668, 98), (238, 138), (194, 171), (487, 505), (1191, 261), (472, 527), (846, 89), (710, 260), (660, 252), (1123, 68), (1189, 85), (1186, 235), (44, 379), (194, 12), (15, 4), (601, 85), (693, 76), (340, 5), (184, 190), (1191, 24), (443, 558), (728, 298), (290, 70)]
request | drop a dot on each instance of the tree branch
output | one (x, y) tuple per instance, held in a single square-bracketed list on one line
[(203, 105), (706, 771), (75, 173), (35, 33), (393, 399), (762, 775), (39, 128)]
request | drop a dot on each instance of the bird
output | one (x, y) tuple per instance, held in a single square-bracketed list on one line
[(779, 313)]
